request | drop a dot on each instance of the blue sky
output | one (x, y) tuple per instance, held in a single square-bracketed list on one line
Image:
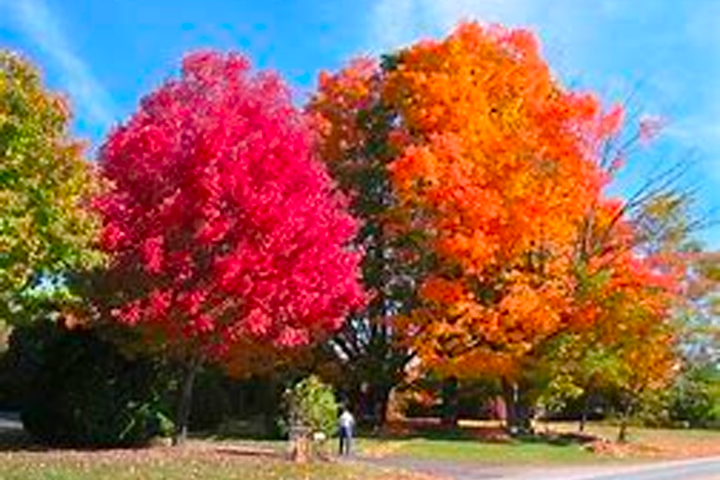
[(107, 53)]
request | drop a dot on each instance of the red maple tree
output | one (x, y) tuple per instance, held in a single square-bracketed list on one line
[(225, 227)]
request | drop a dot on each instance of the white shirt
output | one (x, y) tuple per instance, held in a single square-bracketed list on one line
[(346, 420)]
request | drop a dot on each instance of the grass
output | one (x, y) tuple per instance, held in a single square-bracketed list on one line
[(493, 453), (643, 434), (264, 460), (485, 442), (200, 460), (480, 442), (194, 469), (664, 442), (460, 445), (515, 452)]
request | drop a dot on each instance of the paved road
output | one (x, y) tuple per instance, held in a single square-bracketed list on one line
[(446, 470), (697, 469)]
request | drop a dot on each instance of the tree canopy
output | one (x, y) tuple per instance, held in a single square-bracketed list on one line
[(220, 222), (45, 185)]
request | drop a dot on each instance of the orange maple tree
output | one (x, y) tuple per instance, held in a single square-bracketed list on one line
[(498, 165), (498, 173)]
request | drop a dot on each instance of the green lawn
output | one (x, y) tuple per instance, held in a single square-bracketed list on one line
[(460, 445), (511, 453), (468, 444)]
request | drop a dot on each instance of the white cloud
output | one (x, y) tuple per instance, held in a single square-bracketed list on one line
[(700, 132), (399, 22), (699, 129), (448, 13), (35, 19), (392, 23)]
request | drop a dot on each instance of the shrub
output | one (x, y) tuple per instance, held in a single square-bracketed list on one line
[(83, 392), (692, 400), (311, 403)]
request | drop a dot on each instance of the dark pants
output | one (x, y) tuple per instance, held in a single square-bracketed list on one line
[(345, 440)]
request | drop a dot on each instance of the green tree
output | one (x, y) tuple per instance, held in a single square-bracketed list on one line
[(44, 183)]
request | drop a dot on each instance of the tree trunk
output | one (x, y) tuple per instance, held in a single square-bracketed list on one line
[(625, 417), (622, 433), (584, 413), (518, 408), (185, 403), (523, 412), (382, 400), (450, 402), (508, 394)]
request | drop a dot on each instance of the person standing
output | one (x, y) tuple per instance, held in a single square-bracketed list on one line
[(346, 424)]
